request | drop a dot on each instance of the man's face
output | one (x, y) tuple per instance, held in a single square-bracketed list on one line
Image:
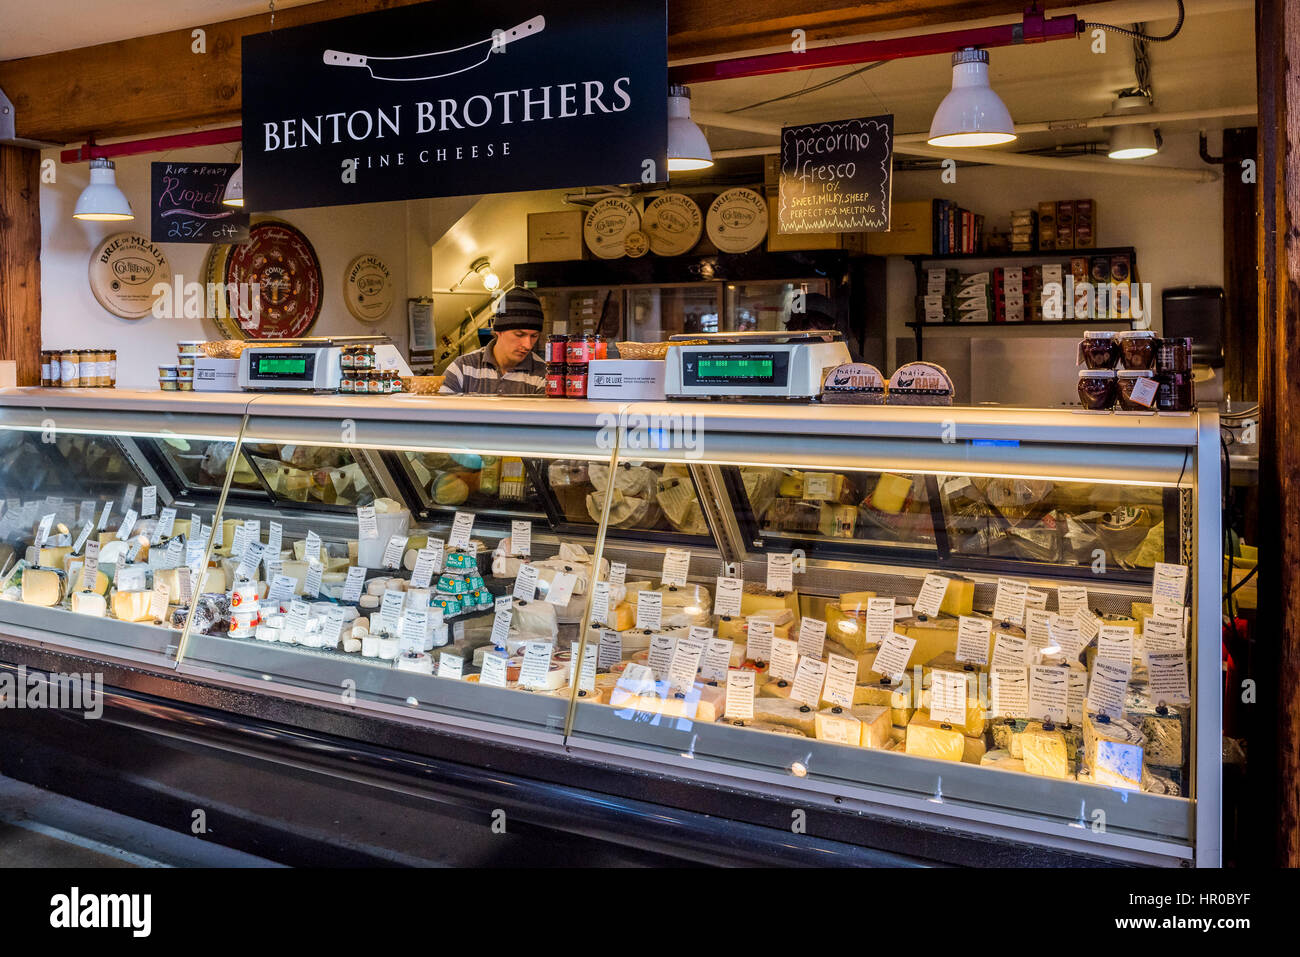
[(514, 345)]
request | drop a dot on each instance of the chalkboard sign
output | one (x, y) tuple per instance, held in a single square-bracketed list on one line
[(836, 177), (187, 205)]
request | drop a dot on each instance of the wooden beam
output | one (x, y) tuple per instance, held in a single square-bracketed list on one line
[(1240, 277), (155, 83), (20, 261)]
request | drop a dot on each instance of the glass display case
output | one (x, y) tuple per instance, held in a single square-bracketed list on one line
[(1000, 621)]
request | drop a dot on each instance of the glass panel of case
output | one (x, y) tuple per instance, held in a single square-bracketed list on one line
[(501, 484), (648, 496)]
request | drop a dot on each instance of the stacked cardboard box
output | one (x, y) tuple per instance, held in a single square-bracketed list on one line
[(1024, 230)]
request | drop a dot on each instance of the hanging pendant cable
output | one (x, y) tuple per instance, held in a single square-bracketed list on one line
[(1137, 35)]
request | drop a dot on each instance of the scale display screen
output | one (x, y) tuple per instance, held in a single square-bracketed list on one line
[(290, 365), (736, 368), (749, 367)]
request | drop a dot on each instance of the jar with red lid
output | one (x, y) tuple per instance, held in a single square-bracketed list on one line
[(555, 385), (556, 349), (575, 382)]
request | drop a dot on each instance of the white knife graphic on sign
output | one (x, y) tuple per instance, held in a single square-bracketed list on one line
[(440, 63)]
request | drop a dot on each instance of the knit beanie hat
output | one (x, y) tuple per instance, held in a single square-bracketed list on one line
[(518, 309)]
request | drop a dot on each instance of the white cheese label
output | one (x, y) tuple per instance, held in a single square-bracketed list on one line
[(90, 567), (1010, 690), (133, 552), (1036, 628), (726, 600), (611, 648), (332, 630), (1064, 631), (503, 603), (841, 678), (149, 501), (1076, 680), (649, 610), (103, 516), (43, 530), (740, 695), (1009, 604), (561, 589), (367, 524), (82, 538), (973, 639), (173, 555), (1010, 651), (166, 523), (85, 511), (1144, 391), (685, 663), (812, 636), (275, 538), (254, 527), (526, 582), (1049, 692), (247, 567), (618, 573), (281, 589), (817, 485), (128, 525), (677, 564), (1169, 586), (717, 658), (536, 665), (761, 633), (461, 527), (880, 619), (1168, 678), (450, 666), (393, 551), (1035, 599), (494, 671), (784, 660), (501, 627), (238, 546), (158, 601), (661, 655), (353, 584), (808, 681), (390, 611), (415, 625), (948, 691), (1108, 686), (1089, 624), (295, 623), (600, 603), (587, 677), (428, 561), (521, 538), (128, 497), (315, 571), (1162, 636), (891, 660), (1115, 643), (272, 564), (311, 547), (186, 582), (931, 597), (780, 571), (218, 532), (1071, 599)]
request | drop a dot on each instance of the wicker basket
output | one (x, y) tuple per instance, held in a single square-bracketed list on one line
[(225, 348), (652, 350), (422, 384)]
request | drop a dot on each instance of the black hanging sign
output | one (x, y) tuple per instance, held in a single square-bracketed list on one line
[(836, 177), (186, 206), (450, 99)]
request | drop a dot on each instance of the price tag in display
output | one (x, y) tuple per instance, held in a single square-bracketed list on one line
[(611, 648), (185, 581), (726, 600), (254, 533), (1169, 586), (948, 691), (561, 590), (159, 600), (247, 567), (891, 660), (661, 655), (393, 551), (86, 511), (428, 562), (1076, 681), (1064, 631), (503, 603), (281, 589), (1071, 599), (415, 626), (717, 658), (275, 538), (812, 636), (841, 678), (1089, 624), (119, 573), (367, 524), (43, 530), (785, 659), (272, 564), (1115, 643), (90, 567), (932, 591), (353, 584), (390, 611), (240, 544), (1010, 651), (808, 681), (536, 666), (1036, 621), (196, 546), (311, 548), (587, 677), (1035, 599), (649, 610), (133, 551), (600, 603), (501, 626), (1162, 636), (761, 634), (677, 563), (526, 582), (103, 516), (1009, 603), (450, 666), (973, 639), (128, 525), (685, 663), (494, 671), (880, 619), (1048, 692), (521, 538), (780, 571), (1010, 691), (128, 497), (166, 524), (461, 526), (1108, 687), (333, 630), (218, 532), (618, 574), (315, 571), (174, 553), (1168, 677), (149, 501), (740, 695), (296, 622)]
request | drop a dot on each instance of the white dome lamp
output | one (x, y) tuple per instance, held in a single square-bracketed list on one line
[(234, 195), (971, 114), (102, 201), (1132, 140), (687, 147)]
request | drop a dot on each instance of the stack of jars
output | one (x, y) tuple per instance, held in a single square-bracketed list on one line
[(1137, 368), (79, 368), (566, 363), (359, 376)]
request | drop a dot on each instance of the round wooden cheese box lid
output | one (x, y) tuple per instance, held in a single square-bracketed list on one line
[(123, 271), (607, 226), (737, 220), (368, 288), (283, 264), (674, 223)]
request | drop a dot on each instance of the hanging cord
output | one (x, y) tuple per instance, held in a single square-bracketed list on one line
[(273, 14), (1125, 31), (1142, 61)]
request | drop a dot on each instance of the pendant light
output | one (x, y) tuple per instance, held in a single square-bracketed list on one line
[(234, 195), (687, 147), (1132, 140), (102, 201), (491, 281), (971, 114)]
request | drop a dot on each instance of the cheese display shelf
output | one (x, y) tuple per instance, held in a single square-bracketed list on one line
[(998, 621)]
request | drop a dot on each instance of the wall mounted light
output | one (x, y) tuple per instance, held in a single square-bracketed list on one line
[(1134, 140), (971, 114), (234, 195), (491, 281), (687, 146), (101, 201)]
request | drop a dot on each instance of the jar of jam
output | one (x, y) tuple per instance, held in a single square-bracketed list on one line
[(375, 383), (1175, 392), (69, 368), (1098, 350), (345, 382), (45, 368), (1174, 355), (1137, 348), (555, 385), (556, 346), (89, 372), (1097, 389), (584, 349), (575, 382), (347, 359), (1137, 389)]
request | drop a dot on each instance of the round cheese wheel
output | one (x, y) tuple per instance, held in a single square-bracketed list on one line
[(674, 223), (737, 220)]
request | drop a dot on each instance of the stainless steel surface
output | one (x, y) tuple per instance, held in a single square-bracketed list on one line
[(1024, 371)]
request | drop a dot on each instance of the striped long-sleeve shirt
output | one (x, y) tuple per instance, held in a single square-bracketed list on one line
[(477, 373)]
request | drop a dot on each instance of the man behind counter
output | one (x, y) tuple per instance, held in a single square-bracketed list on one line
[(507, 365)]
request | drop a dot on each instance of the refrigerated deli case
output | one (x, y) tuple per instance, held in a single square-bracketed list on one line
[(943, 635)]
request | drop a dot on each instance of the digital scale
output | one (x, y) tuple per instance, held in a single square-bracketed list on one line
[(753, 365), (310, 364)]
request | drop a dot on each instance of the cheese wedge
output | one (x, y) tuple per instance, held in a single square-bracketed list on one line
[(89, 603), (933, 637), (855, 602), (848, 629), (891, 492), (876, 724), (1044, 753), (52, 556), (930, 739), (1166, 736), (132, 605), (622, 617), (837, 726), (896, 697), (959, 599), (973, 749), (791, 485), (42, 586), (754, 602), (783, 711), (75, 568)]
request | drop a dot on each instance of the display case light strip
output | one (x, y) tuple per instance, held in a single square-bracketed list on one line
[(64, 430), (592, 453)]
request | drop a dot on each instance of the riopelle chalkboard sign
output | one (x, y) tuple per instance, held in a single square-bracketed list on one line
[(836, 177), (452, 99), (187, 208)]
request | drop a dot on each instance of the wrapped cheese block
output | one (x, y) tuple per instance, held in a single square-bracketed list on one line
[(933, 637), (1165, 730), (676, 496), (534, 618), (1002, 760), (89, 603), (783, 711), (75, 567), (973, 749), (1157, 781), (837, 725), (932, 739), (132, 605), (625, 511), (793, 515), (837, 521), (1113, 751), (1043, 751), (761, 486), (791, 484), (959, 598), (42, 586), (890, 493)]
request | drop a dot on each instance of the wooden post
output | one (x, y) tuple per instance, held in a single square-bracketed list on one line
[(1275, 764), (20, 261), (1240, 275)]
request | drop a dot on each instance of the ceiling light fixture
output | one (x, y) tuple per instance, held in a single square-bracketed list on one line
[(234, 195), (101, 201), (687, 146), (1132, 140), (491, 281), (971, 114)]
